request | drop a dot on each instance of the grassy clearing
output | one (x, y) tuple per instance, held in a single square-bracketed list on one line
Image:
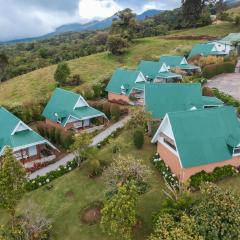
[(40, 83), (64, 208), (215, 30)]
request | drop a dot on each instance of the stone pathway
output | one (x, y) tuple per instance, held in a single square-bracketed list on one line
[(97, 139)]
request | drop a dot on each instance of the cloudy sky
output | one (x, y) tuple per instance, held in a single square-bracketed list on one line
[(30, 18)]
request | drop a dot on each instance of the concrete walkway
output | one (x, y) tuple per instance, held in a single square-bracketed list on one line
[(97, 139), (228, 83)]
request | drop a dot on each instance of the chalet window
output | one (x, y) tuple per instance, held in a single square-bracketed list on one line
[(236, 151), (169, 144)]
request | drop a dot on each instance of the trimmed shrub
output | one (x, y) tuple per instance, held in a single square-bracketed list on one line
[(207, 91), (216, 69), (106, 109), (95, 167), (115, 112), (218, 173), (138, 138)]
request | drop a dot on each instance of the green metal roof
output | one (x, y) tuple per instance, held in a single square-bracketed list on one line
[(171, 60), (61, 107), (170, 97), (174, 61), (8, 123), (167, 75), (211, 101), (150, 69), (232, 38), (202, 136), (204, 50), (125, 78)]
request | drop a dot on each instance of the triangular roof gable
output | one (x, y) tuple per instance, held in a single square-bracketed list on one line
[(150, 69), (173, 60), (127, 79), (202, 135), (231, 38), (169, 97), (203, 49), (61, 103), (13, 132)]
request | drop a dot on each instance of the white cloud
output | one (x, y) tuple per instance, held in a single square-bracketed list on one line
[(154, 5), (97, 9)]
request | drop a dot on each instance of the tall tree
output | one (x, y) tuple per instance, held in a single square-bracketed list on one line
[(62, 73), (80, 147), (125, 169), (12, 182), (194, 12), (124, 24), (119, 212), (167, 228), (218, 213)]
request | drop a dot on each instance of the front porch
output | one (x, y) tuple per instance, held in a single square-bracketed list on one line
[(31, 154), (89, 125)]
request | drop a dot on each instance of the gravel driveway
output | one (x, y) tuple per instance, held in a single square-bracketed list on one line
[(227, 83)]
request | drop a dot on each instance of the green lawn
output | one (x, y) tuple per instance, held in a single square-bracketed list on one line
[(64, 210), (215, 30)]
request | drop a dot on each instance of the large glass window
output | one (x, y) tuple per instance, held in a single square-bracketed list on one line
[(169, 144)]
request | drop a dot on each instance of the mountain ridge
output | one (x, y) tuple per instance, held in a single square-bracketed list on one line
[(78, 27)]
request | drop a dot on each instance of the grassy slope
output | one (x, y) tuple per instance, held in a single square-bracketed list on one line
[(216, 30), (65, 210), (96, 67), (233, 12)]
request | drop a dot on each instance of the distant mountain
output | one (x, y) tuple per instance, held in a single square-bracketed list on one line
[(232, 3), (93, 25), (148, 13)]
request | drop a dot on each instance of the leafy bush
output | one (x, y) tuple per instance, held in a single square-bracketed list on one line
[(56, 135), (204, 61), (95, 167), (114, 134), (115, 112), (28, 112), (217, 174), (207, 91), (216, 69), (49, 177), (138, 138)]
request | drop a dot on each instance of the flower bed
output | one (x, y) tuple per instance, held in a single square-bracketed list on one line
[(165, 170), (218, 173), (43, 180)]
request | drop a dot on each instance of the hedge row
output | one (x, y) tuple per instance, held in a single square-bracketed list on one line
[(49, 177), (227, 99), (56, 135), (111, 110), (216, 69), (218, 173)]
